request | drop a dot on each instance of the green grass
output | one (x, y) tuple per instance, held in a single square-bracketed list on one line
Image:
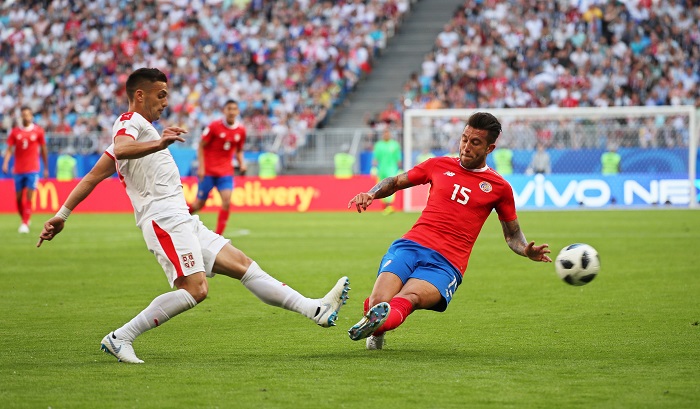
[(514, 336)]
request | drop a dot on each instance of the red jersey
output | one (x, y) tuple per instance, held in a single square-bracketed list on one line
[(221, 141), (27, 143), (460, 201)]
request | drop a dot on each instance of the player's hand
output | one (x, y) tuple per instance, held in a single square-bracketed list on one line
[(171, 135), (5, 169), (200, 174), (46, 173), (52, 227), (361, 201), (242, 170), (538, 253)]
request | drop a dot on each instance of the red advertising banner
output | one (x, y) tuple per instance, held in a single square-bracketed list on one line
[(281, 194)]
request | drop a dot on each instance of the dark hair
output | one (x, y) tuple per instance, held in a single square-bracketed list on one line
[(231, 101), (485, 122), (24, 107), (138, 78)]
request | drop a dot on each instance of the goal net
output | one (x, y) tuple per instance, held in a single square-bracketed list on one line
[(620, 157)]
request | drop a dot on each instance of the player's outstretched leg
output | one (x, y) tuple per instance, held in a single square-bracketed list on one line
[(331, 303), (120, 348), (371, 322)]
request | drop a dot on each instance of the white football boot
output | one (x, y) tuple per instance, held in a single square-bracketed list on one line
[(331, 303), (120, 348), (375, 342), (23, 228)]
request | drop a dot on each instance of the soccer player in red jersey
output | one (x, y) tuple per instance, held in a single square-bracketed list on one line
[(28, 142), (220, 141), (423, 269)]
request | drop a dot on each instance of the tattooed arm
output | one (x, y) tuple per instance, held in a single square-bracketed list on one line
[(384, 188), (516, 241)]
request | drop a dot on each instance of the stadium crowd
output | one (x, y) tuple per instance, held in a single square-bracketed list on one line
[(565, 53), (287, 63)]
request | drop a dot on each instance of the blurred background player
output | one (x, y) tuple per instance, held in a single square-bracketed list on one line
[(28, 143), (387, 160), (268, 163), (66, 166), (344, 163), (220, 141)]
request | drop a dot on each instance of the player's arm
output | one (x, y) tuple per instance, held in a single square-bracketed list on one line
[(200, 158), (45, 158), (125, 147), (384, 188), (516, 241), (8, 153), (6, 160), (242, 167), (103, 169)]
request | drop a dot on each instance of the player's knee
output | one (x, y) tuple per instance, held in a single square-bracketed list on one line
[(199, 293)]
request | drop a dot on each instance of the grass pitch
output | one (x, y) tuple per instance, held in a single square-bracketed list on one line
[(514, 336)]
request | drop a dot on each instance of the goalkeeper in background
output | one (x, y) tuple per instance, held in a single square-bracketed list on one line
[(386, 163)]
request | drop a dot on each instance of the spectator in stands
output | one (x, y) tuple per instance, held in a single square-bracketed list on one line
[(540, 162)]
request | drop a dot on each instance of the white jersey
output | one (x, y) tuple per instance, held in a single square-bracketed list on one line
[(153, 181)]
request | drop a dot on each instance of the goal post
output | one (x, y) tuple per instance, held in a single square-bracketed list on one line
[(657, 147)]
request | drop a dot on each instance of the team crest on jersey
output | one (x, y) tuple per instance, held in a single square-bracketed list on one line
[(188, 260), (448, 173), (222, 135), (485, 186), (237, 138)]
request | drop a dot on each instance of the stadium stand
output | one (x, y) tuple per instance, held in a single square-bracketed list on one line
[(288, 63), (595, 53)]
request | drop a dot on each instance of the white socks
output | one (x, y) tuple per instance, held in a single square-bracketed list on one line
[(272, 292), (161, 309)]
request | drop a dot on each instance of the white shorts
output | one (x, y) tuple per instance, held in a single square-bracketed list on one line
[(182, 245)]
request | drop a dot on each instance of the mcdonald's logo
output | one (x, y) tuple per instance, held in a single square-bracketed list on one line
[(46, 191)]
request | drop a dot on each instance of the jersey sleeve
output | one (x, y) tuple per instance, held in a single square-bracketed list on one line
[(420, 174), (505, 208), (12, 138), (110, 151), (207, 133), (42, 138), (127, 127)]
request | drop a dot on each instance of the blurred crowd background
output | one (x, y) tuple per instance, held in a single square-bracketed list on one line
[(290, 63)]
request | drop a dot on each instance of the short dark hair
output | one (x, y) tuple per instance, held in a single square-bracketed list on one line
[(25, 107), (137, 79), (231, 101), (485, 122)]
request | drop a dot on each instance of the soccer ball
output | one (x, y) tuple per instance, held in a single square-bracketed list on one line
[(577, 264)]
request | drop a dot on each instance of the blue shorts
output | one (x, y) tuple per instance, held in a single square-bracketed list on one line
[(408, 259), (210, 182), (28, 180)]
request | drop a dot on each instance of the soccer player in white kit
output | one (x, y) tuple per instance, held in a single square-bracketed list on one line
[(184, 247)]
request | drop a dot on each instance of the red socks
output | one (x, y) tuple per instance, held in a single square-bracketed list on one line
[(401, 308), (24, 208), (221, 221)]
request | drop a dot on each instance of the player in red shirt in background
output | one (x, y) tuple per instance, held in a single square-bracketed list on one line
[(28, 141), (220, 140), (423, 269)]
